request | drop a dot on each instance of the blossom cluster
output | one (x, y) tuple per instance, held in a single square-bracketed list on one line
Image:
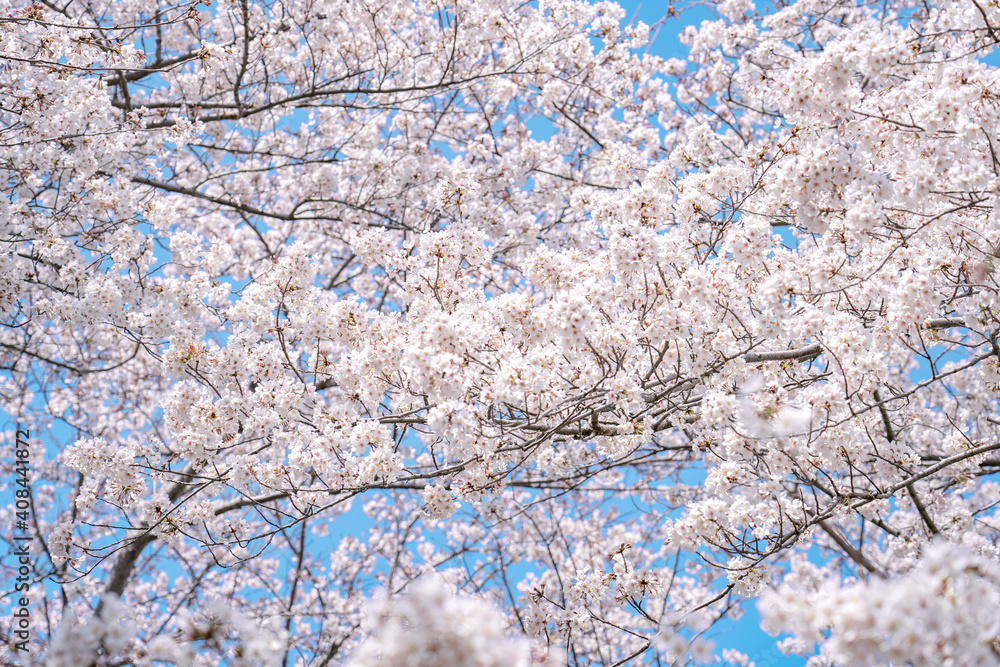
[(943, 611), (430, 626)]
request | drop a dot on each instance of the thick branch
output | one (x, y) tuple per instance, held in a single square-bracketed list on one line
[(852, 551), (781, 355), (123, 567)]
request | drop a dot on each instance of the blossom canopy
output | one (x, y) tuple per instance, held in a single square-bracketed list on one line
[(382, 331)]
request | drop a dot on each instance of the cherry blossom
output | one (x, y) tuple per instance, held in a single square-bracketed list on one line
[(307, 304)]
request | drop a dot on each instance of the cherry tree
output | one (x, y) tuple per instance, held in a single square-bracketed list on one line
[(440, 332)]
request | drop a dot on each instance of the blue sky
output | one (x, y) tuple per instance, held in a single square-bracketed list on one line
[(666, 43)]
